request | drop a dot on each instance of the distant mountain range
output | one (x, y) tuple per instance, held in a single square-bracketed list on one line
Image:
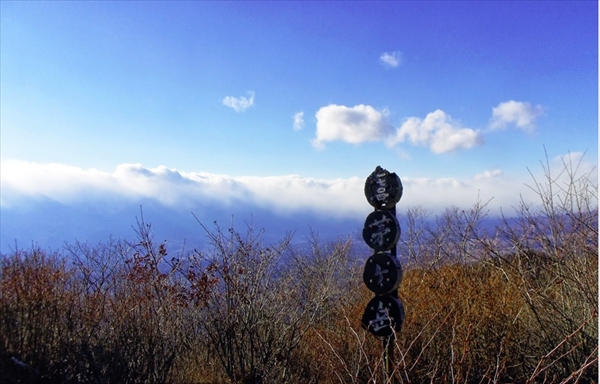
[(49, 224)]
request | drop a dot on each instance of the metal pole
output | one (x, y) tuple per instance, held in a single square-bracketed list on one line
[(388, 342), (388, 358)]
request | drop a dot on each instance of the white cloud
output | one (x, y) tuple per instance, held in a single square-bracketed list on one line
[(364, 123), (239, 104), (488, 174), (521, 114), (68, 184), (285, 195), (391, 59), (298, 121), (437, 131), (353, 125)]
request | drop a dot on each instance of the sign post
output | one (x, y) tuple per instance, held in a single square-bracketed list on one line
[(384, 314)]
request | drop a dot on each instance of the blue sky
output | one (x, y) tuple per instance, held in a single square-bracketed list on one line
[(291, 105)]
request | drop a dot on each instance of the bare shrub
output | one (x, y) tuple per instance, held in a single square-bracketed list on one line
[(454, 236), (261, 301), (553, 247), (147, 312), (36, 308), (330, 277), (107, 313)]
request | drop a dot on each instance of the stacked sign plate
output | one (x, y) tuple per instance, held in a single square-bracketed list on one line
[(383, 273)]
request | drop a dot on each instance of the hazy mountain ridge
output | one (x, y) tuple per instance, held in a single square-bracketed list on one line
[(49, 224)]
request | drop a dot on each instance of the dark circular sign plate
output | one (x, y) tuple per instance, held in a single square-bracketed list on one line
[(383, 316), (383, 273), (383, 189), (381, 231)]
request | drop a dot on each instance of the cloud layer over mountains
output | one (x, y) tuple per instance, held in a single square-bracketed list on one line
[(70, 199), (284, 195)]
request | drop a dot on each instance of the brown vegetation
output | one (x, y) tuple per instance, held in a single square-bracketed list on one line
[(516, 305)]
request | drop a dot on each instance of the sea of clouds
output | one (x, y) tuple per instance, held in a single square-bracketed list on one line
[(52, 203)]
